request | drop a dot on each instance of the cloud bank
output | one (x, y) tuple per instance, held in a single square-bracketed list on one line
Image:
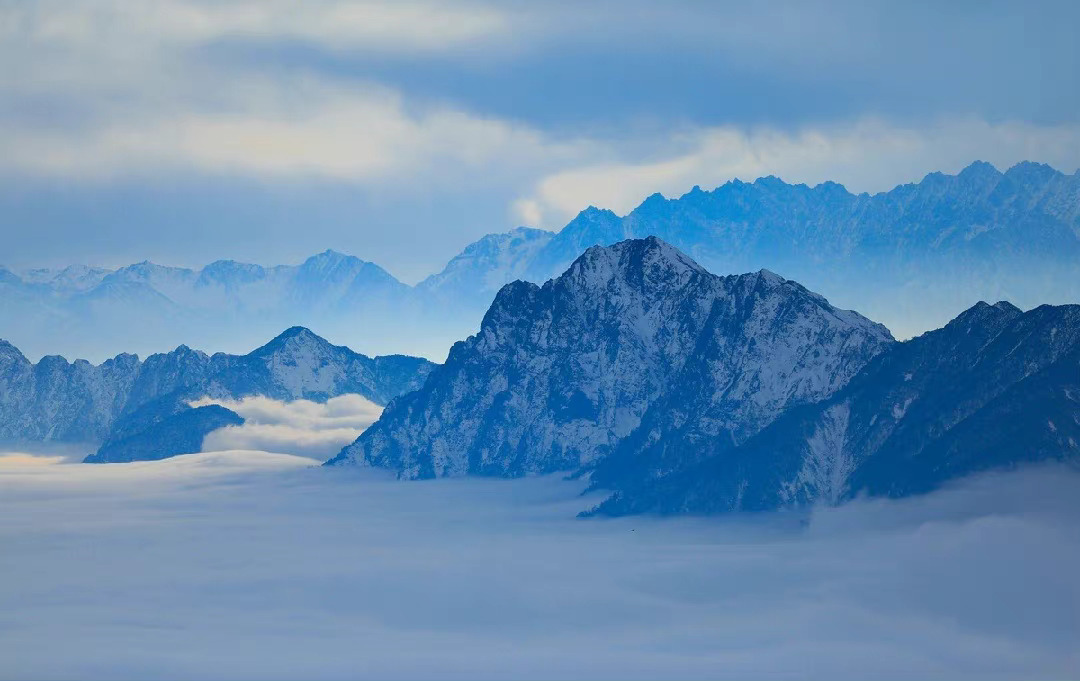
[(377, 124), (242, 564), (301, 427)]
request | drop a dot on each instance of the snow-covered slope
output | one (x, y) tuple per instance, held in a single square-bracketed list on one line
[(559, 375), (912, 257), (298, 364), (486, 265), (994, 388), (58, 400)]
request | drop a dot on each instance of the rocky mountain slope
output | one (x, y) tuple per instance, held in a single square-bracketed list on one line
[(560, 375), (81, 402), (994, 388), (911, 257), (179, 433)]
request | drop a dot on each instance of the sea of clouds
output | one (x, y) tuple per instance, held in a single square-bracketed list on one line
[(301, 427), (244, 564)]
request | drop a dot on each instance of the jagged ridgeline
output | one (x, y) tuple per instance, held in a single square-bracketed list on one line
[(910, 257), (141, 408), (994, 389), (676, 389), (683, 391)]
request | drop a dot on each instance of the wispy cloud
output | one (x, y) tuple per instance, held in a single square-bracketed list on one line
[(355, 134), (109, 90), (301, 427), (474, 116), (380, 25)]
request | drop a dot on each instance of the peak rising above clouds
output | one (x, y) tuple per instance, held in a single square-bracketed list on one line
[(735, 362), (912, 258)]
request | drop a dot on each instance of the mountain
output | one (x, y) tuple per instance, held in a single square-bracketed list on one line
[(478, 272), (58, 400), (910, 257), (73, 278), (298, 364), (147, 306), (560, 375), (1030, 210), (591, 227), (994, 388), (180, 433)]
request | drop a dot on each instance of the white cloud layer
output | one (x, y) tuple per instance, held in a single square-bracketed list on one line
[(290, 127), (311, 429), (250, 565)]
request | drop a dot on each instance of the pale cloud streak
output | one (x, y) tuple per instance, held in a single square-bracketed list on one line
[(127, 92), (301, 427), (349, 98), (374, 25), (343, 133)]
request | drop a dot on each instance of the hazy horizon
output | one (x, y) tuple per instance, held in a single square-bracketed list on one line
[(299, 259)]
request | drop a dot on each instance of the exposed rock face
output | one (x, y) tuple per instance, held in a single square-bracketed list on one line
[(300, 365), (994, 388), (180, 433), (58, 400), (81, 402), (560, 375)]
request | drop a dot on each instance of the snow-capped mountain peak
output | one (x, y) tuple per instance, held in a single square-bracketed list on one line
[(560, 375), (486, 265)]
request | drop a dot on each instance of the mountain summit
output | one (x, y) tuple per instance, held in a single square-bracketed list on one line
[(559, 375)]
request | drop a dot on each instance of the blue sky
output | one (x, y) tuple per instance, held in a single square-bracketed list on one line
[(185, 131)]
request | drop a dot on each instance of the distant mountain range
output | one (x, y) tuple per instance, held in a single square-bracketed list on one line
[(674, 389), (911, 257), (122, 398), (682, 391), (145, 306)]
